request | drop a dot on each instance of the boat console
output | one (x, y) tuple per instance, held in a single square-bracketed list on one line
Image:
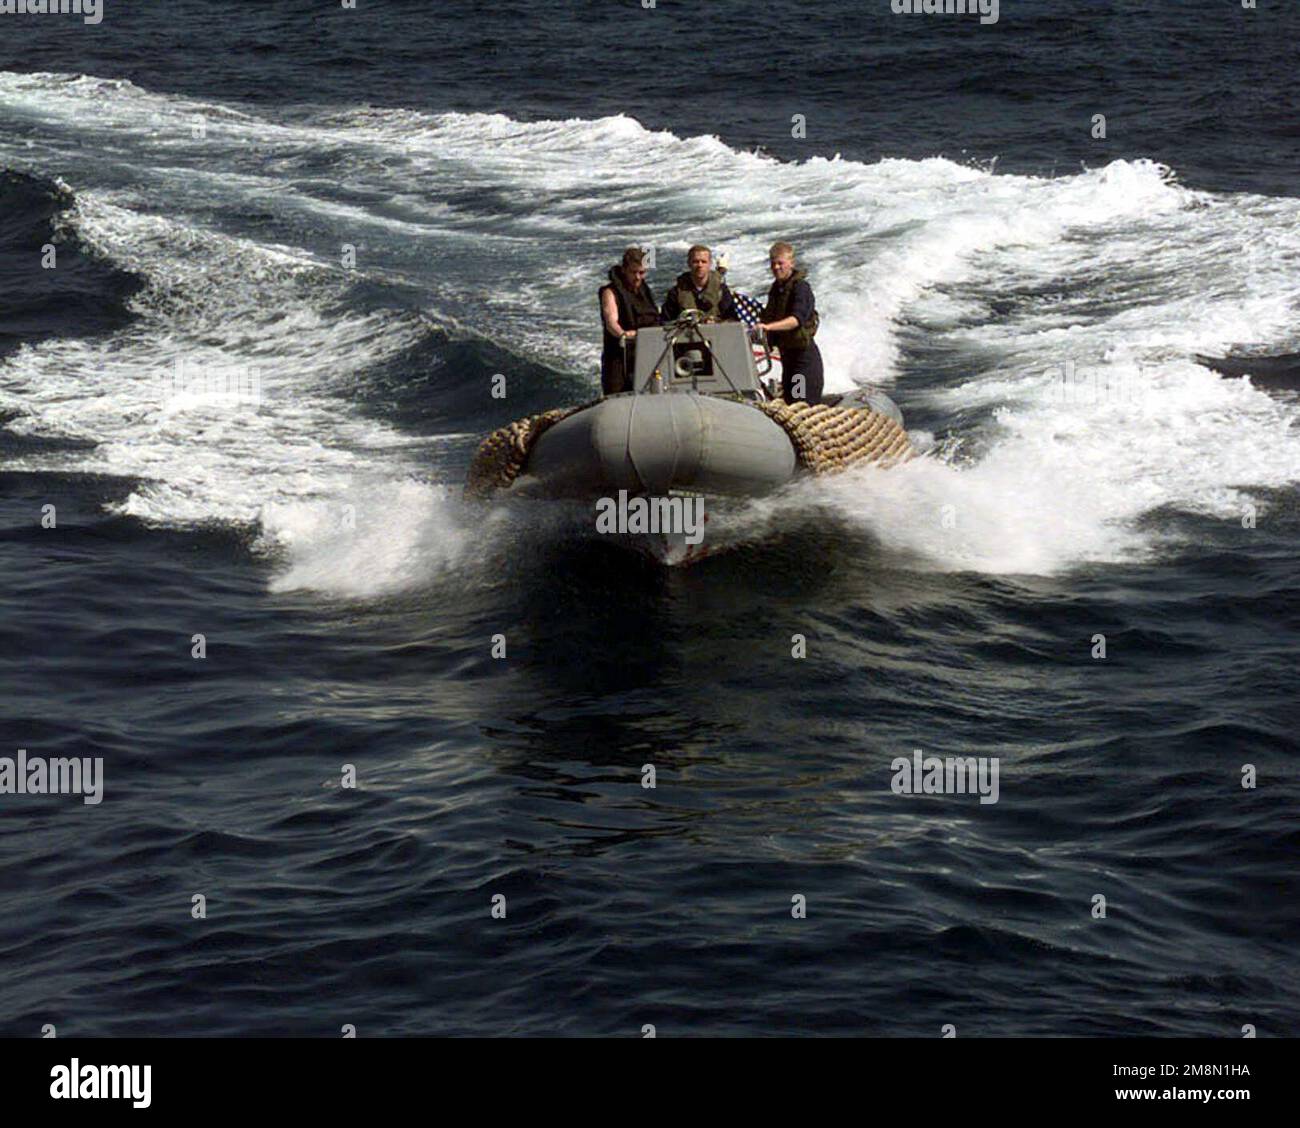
[(710, 358)]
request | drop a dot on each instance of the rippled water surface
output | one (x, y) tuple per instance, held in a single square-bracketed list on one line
[(1034, 298)]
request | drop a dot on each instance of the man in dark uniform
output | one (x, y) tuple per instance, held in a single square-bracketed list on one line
[(626, 305), (790, 319), (701, 287)]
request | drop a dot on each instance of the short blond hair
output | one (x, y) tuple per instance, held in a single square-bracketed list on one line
[(699, 247), (781, 250)]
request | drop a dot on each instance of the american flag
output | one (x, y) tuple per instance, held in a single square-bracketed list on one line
[(750, 309)]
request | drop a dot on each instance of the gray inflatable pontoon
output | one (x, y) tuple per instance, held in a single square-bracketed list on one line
[(690, 426), (688, 443)]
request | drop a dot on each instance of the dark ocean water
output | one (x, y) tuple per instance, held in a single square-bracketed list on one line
[(199, 170)]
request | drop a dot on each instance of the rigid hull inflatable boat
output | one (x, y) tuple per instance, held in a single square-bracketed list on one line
[(701, 420)]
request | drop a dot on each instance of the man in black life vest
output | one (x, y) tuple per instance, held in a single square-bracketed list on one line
[(701, 287), (626, 305), (790, 319)]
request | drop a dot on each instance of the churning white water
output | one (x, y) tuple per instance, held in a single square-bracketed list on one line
[(1042, 327)]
